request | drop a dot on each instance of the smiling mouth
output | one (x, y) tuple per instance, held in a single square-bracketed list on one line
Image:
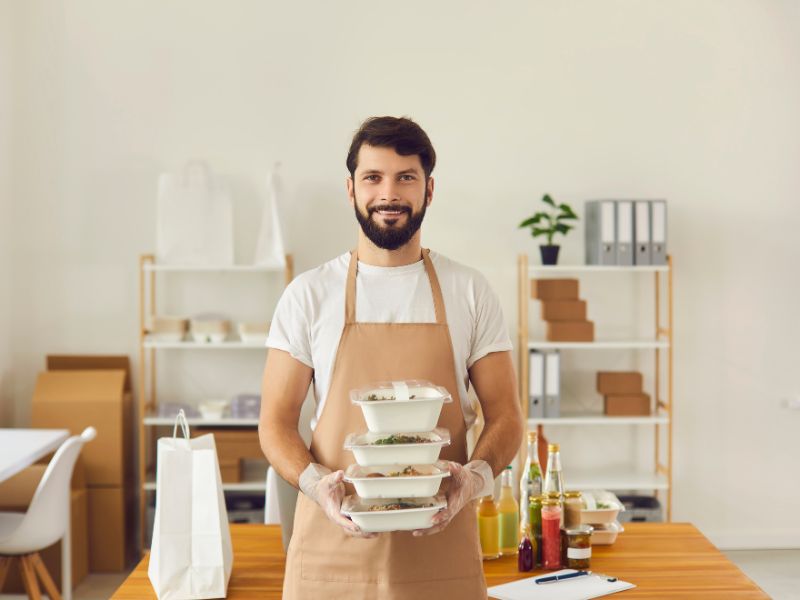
[(390, 212)]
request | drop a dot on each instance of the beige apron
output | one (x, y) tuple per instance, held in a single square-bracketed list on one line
[(322, 561)]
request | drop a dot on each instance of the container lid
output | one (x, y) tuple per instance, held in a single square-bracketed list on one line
[(369, 439), (556, 495), (580, 530), (553, 447), (408, 390), (357, 473), (572, 494), (354, 504), (532, 436), (550, 502)]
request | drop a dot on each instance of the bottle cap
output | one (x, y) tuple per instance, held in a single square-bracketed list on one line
[(509, 467), (552, 447), (532, 436)]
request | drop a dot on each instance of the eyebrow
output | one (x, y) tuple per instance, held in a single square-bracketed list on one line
[(411, 170)]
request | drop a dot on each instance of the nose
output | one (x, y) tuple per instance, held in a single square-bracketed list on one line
[(389, 191)]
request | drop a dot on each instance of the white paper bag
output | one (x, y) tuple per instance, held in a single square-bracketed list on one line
[(270, 249), (191, 555), (194, 223)]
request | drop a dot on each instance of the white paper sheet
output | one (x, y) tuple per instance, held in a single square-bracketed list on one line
[(580, 588)]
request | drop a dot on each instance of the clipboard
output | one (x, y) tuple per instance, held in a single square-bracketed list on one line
[(580, 588)]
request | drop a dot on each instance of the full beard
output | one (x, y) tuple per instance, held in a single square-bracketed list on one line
[(389, 237)]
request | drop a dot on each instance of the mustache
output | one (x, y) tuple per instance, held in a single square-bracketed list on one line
[(373, 209)]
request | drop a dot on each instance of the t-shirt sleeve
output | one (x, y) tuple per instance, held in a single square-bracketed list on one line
[(289, 330), (489, 332)]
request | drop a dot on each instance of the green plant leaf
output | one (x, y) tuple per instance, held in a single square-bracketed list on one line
[(563, 217), (533, 220), (562, 228), (548, 200), (567, 210), (540, 231)]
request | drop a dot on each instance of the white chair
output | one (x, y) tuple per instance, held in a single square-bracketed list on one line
[(46, 521)]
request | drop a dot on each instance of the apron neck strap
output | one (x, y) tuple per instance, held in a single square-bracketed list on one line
[(350, 289)]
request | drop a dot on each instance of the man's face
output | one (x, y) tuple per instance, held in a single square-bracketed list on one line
[(389, 194)]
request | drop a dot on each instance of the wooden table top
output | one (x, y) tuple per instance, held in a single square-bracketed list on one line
[(664, 560)]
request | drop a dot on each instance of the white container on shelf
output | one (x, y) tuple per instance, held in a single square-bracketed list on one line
[(167, 328), (600, 507), (375, 449), (398, 406), (253, 332), (405, 519), (209, 329), (389, 481), (606, 534)]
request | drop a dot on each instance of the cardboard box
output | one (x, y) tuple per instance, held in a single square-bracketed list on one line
[(16, 494), (570, 331), (619, 382), (77, 399), (111, 523), (234, 444), (627, 405), (230, 470), (564, 310), (554, 289)]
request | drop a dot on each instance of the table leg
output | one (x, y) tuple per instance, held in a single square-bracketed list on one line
[(66, 559)]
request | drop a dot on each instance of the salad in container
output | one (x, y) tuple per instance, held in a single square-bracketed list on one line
[(397, 481), (398, 406), (413, 448), (392, 514)]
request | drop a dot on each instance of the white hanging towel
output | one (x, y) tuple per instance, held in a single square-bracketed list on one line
[(194, 223), (270, 248), (191, 556)]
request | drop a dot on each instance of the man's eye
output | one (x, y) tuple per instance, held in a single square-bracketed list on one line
[(371, 178), (407, 177)]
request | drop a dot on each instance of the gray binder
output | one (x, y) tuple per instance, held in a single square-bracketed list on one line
[(641, 230), (600, 232), (658, 230), (552, 385), (624, 210), (535, 384)]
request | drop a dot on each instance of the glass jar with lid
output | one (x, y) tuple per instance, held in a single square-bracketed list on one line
[(573, 503), (579, 546)]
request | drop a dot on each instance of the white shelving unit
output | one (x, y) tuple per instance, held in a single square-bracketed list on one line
[(659, 479), (254, 476)]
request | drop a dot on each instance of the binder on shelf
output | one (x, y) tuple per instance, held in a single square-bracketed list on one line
[(600, 232), (552, 385), (642, 232), (535, 384), (624, 210), (658, 229)]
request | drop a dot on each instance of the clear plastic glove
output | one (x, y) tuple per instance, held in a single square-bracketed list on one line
[(465, 483), (325, 487)]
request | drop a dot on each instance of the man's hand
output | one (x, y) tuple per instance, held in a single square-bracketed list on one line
[(465, 483), (327, 490)]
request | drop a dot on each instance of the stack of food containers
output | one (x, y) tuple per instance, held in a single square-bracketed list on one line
[(600, 510), (398, 474)]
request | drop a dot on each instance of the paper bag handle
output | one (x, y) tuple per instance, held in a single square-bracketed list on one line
[(181, 420)]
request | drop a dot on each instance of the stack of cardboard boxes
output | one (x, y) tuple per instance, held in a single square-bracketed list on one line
[(623, 394), (234, 447), (563, 310)]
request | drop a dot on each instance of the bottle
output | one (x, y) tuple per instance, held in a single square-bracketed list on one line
[(525, 551), (551, 534), (530, 484), (553, 481), (509, 515), (489, 528), (535, 520)]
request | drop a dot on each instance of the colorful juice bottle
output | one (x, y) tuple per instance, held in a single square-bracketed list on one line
[(509, 515), (525, 552), (489, 528), (551, 534)]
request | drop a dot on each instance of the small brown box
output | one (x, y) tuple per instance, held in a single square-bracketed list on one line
[(230, 470), (564, 310), (554, 289), (627, 405), (235, 443), (619, 382), (570, 331)]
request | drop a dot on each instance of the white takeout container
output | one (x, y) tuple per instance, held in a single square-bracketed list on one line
[(606, 534), (208, 329), (397, 486), (370, 453), (213, 409), (405, 519), (255, 332), (596, 516), (410, 405)]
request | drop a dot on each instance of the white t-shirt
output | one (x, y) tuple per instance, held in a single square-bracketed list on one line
[(309, 318)]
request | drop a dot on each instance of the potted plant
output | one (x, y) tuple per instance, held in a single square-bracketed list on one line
[(547, 223)]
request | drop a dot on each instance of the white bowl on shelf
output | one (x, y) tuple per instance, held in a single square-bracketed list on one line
[(212, 330), (370, 449), (253, 332), (406, 519), (213, 409), (388, 482), (398, 406)]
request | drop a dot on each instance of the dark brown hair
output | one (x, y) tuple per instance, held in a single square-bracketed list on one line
[(403, 135)]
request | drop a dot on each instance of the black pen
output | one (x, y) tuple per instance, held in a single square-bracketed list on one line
[(554, 578)]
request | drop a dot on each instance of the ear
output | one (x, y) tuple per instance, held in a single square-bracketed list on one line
[(350, 191), (429, 191)]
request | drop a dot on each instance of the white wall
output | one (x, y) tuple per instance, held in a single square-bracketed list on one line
[(693, 101)]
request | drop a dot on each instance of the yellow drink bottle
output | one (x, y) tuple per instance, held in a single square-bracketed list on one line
[(489, 528), (509, 515)]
